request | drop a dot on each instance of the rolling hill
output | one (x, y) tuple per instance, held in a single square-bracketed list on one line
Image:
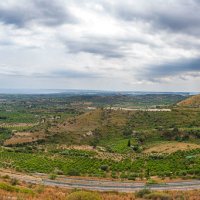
[(83, 128), (193, 101)]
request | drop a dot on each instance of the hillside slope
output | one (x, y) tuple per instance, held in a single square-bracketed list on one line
[(82, 128), (193, 101)]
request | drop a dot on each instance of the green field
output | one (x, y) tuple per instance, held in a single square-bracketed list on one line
[(179, 164)]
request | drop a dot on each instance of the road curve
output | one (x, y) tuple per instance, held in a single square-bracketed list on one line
[(121, 187), (101, 185)]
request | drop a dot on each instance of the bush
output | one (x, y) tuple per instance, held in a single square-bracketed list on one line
[(158, 196), (132, 177), (142, 193), (81, 195), (151, 182), (58, 172), (14, 181), (52, 176), (73, 172), (104, 167)]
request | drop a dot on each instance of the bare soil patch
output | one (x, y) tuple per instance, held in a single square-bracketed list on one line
[(24, 137)]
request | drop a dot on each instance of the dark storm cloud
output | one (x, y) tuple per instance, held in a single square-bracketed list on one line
[(178, 16), (73, 74), (59, 73), (107, 49), (180, 67), (45, 12)]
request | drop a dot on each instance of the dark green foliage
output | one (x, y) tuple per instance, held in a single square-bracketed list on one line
[(104, 167), (129, 143), (127, 131), (73, 172), (142, 193), (4, 134), (52, 176), (177, 118), (13, 181)]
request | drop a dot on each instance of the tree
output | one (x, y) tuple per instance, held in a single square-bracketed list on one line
[(147, 175), (129, 143), (127, 131), (104, 167), (94, 142)]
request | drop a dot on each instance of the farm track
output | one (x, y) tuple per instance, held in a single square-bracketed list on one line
[(12, 125), (100, 185)]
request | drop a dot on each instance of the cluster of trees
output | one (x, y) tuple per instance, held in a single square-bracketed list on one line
[(180, 135)]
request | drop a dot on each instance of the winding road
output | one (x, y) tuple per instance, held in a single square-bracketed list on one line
[(100, 185)]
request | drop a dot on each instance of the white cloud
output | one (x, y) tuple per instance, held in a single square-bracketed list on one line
[(125, 45)]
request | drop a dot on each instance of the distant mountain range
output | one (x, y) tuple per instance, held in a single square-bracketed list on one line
[(87, 92)]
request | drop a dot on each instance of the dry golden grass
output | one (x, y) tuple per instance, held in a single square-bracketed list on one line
[(191, 101), (171, 147), (51, 194), (41, 192), (24, 137), (84, 125), (62, 194), (12, 125)]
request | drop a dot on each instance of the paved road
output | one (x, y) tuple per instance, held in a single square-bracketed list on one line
[(102, 185), (121, 186)]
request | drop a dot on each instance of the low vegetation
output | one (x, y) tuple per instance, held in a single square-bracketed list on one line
[(42, 133), (83, 195), (40, 192)]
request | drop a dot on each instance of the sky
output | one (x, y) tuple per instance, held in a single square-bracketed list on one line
[(125, 45)]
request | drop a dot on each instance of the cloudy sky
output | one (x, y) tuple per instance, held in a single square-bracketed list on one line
[(99, 44)]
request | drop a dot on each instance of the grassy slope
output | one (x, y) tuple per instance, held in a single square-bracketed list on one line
[(84, 127), (108, 125), (193, 101)]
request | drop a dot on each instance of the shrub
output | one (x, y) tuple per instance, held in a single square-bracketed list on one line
[(81, 195), (104, 167), (73, 172), (13, 181), (151, 182), (52, 176), (58, 172), (132, 177), (142, 193), (129, 143), (114, 175)]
